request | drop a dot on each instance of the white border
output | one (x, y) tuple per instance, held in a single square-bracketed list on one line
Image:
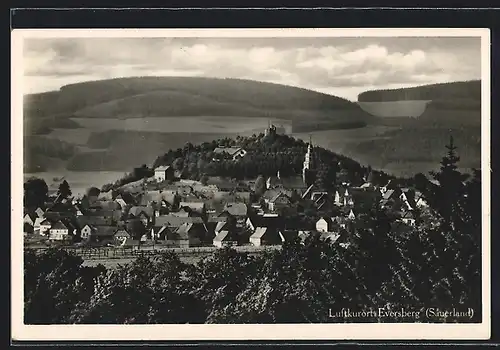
[(240, 332)]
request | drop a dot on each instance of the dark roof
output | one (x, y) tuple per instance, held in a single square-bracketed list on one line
[(183, 230), (163, 168), (137, 210), (105, 231), (272, 193), (93, 220), (267, 221), (176, 221), (122, 232), (236, 209), (59, 225)]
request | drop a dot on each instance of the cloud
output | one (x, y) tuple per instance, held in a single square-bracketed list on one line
[(322, 64)]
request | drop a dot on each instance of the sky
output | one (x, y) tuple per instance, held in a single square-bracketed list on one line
[(342, 66)]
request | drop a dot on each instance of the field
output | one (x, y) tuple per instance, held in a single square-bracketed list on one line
[(391, 109)]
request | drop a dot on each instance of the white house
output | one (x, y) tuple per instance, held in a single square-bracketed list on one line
[(58, 231), (224, 239), (324, 225), (233, 152), (44, 225), (86, 231), (29, 219), (164, 172), (408, 218), (351, 215), (265, 236)]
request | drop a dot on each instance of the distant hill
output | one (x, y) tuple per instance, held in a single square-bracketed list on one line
[(454, 91), (226, 96), (447, 104), (73, 111)]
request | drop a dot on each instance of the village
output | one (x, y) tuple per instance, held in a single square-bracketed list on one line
[(165, 211)]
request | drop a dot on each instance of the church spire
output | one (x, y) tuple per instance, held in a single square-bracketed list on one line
[(308, 161)]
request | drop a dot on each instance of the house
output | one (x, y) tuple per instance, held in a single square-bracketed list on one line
[(39, 212), (44, 226), (367, 186), (103, 234), (420, 200), (29, 219), (197, 207), (295, 183), (163, 173), (330, 237), (408, 218), (60, 231), (121, 202), (351, 215), (224, 238), (391, 185), (318, 195), (28, 229), (341, 221), (120, 236), (190, 235), (215, 224), (159, 232), (86, 231), (172, 221), (325, 224), (145, 214), (182, 212), (288, 235), (265, 236), (238, 210), (268, 220), (94, 220), (280, 201), (234, 153)]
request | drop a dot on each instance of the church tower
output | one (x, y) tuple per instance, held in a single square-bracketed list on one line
[(308, 161)]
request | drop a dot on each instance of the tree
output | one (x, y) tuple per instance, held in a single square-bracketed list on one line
[(178, 163), (260, 186), (64, 189), (146, 291), (35, 193), (136, 228), (447, 196), (93, 192), (204, 179), (54, 282)]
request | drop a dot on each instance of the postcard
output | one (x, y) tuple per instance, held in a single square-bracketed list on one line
[(250, 184)]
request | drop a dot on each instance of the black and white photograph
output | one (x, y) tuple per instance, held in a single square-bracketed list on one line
[(211, 179)]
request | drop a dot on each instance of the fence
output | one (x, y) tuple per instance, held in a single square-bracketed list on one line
[(133, 252)]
